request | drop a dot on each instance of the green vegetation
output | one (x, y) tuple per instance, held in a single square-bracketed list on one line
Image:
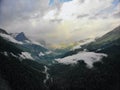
[(25, 75), (105, 75), (29, 75)]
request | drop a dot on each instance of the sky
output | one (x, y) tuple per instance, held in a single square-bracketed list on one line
[(60, 21)]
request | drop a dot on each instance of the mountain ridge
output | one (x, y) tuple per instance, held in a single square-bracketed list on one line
[(3, 31), (27, 74), (21, 37), (108, 39)]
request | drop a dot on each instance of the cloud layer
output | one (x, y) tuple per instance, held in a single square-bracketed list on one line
[(61, 22)]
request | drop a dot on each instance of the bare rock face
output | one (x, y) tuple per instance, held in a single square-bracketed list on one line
[(21, 37)]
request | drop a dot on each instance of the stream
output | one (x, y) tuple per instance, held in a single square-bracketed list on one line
[(46, 73)]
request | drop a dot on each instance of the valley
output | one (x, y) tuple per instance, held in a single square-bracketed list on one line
[(29, 65)]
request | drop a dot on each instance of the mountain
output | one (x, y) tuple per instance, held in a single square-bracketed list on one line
[(43, 42), (106, 40), (110, 36), (17, 71), (82, 42), (109, 39), (35, 49), (94, 66), (21, 37), (3, 31)]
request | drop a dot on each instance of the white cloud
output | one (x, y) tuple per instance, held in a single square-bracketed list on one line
[(97, 21), (71, 9), (41, 54), (59, 23), (88, 57)]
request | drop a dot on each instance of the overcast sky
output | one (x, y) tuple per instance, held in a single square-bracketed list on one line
[(60, 22)]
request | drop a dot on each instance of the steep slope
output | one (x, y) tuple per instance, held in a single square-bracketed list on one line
[(25, 74), (9, 47), (104, 75), (20, 73), (36, 50), (107, 40), (3, 31), (110, 36)]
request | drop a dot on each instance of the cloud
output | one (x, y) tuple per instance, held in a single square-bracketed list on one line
[(23, 9), (82, 16), (88, 57), (81, 1), (88, 7), (56, 20), (61, 22), (117, 15), (0, 2), (25, 16), (0, 5)]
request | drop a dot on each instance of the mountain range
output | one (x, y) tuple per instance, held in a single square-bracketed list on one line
[(29, 65)]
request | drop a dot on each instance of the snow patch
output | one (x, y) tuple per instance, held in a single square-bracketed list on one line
[(9, 38), (83, 43), (41, 54), (13, 55), (88, 57), (37, 43), (48, 52), (76, 47), (26, 55), (98, 49), (27, 41), (5, 53)]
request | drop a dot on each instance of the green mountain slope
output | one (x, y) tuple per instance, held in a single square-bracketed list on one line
[(104, 75), (111, 38), (21, 75), (27, 74)]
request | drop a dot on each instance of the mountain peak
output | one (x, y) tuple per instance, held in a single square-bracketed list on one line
[(21, 37), (3, 31)]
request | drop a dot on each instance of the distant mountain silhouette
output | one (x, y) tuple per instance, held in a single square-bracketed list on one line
[(21, 37)]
